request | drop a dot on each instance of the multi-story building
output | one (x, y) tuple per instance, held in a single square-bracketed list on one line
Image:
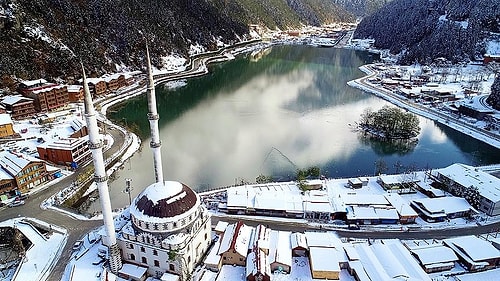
[(463, 177), (72, 152), (97, 86), (115, 81), (49, 98), (27, 172), (6, 127), (19, 107), (75, 93)]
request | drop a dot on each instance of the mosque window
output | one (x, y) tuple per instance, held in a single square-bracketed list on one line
[(157, 263), (132, 257), (144, 260), (155, 252), (143, 250), (171, 267)]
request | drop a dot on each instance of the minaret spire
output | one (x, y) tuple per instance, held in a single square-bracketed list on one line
[(153, 117), (100, 178)]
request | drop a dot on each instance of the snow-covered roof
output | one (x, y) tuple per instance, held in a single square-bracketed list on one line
[(281, 251), (169, 201), (473, 248), (5, 119), (13, 163), (390, 260), (298, 240), (132, 270), (324, 259), (435, 254), (11, 100), (47, 89), (30, 83), (322, 239), (236, 237), (273, 196), (396, 179), (64, 143), (443, 205), (401, 205), (487, 184), (74, 88)]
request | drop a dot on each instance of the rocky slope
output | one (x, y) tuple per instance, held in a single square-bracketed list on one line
[(48, 38)]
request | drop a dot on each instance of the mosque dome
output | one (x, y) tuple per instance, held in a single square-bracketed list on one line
[(167, 206)]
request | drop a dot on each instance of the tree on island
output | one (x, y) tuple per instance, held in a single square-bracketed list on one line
[(389, 123)]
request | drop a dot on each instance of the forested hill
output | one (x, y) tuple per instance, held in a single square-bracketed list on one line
[(423, 30), (48, 38)]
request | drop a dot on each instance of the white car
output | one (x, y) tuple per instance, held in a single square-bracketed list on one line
[(16, 203)]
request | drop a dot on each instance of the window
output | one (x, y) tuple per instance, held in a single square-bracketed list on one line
[(131, 246), (143, 250), (132, 257), (171, 267), (157, 263), (155, 252), (144, 260)]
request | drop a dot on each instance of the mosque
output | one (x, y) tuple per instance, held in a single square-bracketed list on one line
[(169, 230)]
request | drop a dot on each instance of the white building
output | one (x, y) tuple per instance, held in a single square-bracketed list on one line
[(460, 175), (169, 230)]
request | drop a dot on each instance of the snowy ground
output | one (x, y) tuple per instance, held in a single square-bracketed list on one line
[(46, 248)]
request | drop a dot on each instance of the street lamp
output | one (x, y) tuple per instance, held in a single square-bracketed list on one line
[(128, 189)]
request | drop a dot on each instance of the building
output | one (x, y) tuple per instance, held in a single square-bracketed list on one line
[(75, 93), (115, 82), (234, 246), (435, 258), (442, 208), (27, 172), (475, 253), (19, 107), (404, 183), (6, 126), (30, 85), (97, 86), (73, 152), (49, 98), (462, 176)]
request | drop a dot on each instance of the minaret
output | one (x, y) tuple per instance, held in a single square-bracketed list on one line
[(153, 117), (101, 179)]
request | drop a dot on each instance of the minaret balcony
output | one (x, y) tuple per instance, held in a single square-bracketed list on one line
[(152, 116), (98, 145), (99, 179), (153, 144)]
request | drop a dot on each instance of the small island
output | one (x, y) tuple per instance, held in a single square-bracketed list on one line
[(389, 123)]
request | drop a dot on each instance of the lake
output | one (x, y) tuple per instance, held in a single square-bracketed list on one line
[(289, 109)]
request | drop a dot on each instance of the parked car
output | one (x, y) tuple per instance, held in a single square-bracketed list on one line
[(16, 203), (78, 244)]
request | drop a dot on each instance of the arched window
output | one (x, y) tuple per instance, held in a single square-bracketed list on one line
[(132, 257), (144, 260)]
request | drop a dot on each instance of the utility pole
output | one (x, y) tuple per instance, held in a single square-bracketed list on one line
[(128, 189)]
